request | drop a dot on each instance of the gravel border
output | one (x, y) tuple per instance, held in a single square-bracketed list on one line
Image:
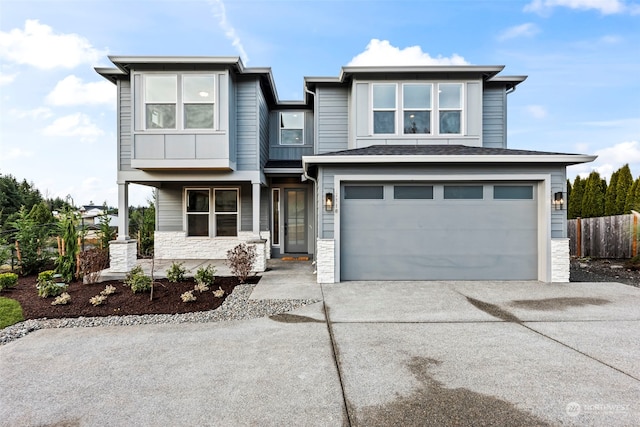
[(236, 306)]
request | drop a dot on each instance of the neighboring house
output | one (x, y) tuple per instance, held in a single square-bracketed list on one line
[(380, 173)]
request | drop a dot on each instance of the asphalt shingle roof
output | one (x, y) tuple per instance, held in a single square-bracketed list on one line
[(436, 150)]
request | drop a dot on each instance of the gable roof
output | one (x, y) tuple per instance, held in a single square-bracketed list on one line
[(442, 154)]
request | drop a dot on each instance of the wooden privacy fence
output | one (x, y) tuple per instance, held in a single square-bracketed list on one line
[(604, 237)]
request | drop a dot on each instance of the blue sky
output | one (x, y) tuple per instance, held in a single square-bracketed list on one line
[(57, 116)]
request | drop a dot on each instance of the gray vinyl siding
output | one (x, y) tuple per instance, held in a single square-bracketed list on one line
[(332, 119), (247, 125), (289, 152), (246, 208), (263, 111), (169, 209), (124, 123), (494, 118), (558, 183)]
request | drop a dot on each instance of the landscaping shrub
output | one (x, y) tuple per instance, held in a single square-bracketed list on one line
[(205, 276), (48, 286), (97, 300), (32, 238), (240, 259), (92, 262), (188, 296), (176, 272), (137, 280), (66, 261), (62, 299), (8, 280)]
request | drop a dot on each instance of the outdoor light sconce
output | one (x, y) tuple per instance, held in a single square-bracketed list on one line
[(328, 201), (558, 201)]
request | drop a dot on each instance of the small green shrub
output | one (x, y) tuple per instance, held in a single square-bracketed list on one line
[(205, 276), (240, 259), (176, 272), (48, 286), (10, 312), (8, 280), (137, 280)]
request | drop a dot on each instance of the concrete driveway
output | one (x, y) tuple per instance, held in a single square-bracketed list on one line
[(392, 353)]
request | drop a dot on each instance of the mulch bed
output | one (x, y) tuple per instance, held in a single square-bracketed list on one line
[(166, 298)]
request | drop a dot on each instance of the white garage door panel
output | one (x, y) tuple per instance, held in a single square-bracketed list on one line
[(438, 239)]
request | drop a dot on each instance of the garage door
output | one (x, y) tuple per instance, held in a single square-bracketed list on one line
[(438, 231)]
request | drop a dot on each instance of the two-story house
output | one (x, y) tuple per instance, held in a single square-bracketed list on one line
[(380, 173)]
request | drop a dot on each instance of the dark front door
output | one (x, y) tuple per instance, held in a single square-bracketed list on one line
[(295, 220)]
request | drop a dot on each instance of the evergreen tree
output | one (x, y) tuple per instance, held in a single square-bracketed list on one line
[(633, 201), (610, 196), (575, 199), (568, 192), (593, 198), (625, 181)]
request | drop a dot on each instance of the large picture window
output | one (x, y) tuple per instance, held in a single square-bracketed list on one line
[(191, 107), (224, 210), (292, 128)]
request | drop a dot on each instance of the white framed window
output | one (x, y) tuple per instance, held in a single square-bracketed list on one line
[(161, 97), (197, 211), (179, 101), (450, 108), (416, 108), (226, 211), (384, 105), (292, 128)]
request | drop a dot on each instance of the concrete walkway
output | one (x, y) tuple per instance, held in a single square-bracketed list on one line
[(390, 353)]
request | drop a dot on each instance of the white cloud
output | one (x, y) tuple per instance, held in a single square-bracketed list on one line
[(525, 30), (37, 45), (381, 52), (610, 159), (605, 7), (220, 12), (536, 111), (74, 125), (16, 153), (72, 91), (5, 79), (36, 113)]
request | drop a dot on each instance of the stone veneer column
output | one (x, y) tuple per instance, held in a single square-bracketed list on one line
[(560, 260), (325, 261), (122, 255), (260, 264)]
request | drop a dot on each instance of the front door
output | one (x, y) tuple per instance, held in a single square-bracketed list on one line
[(295, 221)]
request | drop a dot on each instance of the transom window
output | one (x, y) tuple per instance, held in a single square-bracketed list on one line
[(411, 108), (292, 128), (190, 108), (199, 212)]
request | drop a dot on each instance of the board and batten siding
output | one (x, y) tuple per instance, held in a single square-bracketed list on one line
[(247, 125), (494, 117), (289, 152), (332, 119), (557, 174), (233, 149), (124, 122)]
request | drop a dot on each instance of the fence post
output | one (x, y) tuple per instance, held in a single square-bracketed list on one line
[(578, 237)]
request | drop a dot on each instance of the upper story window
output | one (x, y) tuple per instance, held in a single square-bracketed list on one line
[(384, 108), (450, 107), (191, 107), (292, 128), (417, 104)]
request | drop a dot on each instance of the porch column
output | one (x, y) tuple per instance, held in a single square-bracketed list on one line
[(256, 209), (123, 211)]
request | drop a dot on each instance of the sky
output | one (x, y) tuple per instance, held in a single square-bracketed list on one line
[(58, 116)]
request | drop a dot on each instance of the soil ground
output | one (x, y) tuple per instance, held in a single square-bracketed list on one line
[(603, 270), (166, 298)]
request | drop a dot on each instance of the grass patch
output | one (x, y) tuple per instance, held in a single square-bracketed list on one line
[(10, 312)]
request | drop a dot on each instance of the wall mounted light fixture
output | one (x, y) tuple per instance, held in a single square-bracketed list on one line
[(558, 200), (328, 201)]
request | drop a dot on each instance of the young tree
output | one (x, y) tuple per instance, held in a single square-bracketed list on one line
[(593, 199), (625, 181), (66, 261), (575, 199), (31, 238)]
